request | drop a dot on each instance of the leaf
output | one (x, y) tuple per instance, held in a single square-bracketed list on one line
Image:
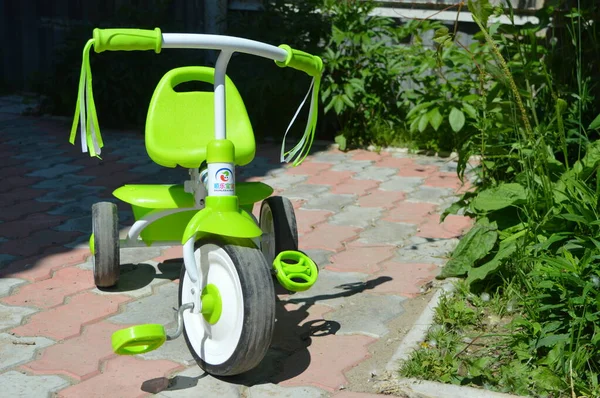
[(469, 110), (482, 9), (480, 273), (500, 197), (457, 119), (435, 118), (595, 123), (551, 340), (417, 109), (341, 141), (423, 122), (475, 245)]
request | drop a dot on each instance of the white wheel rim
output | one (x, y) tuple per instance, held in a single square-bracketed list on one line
[(215, 344), (267, 243)]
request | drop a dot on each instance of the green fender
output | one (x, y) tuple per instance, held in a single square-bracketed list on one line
[(222, 216)]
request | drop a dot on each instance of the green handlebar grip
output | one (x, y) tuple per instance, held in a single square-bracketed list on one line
[(310, 64), (127, 40)]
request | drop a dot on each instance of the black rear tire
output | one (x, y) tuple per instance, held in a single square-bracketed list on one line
[(106, 258), (278, 223)]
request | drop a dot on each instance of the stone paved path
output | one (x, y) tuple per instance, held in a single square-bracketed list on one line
[(369, 220)]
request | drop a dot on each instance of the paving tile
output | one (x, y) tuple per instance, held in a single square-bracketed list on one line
[(37, 241), (352, 165), (356, 315), (52, 292), (452, 227), (161, 307), (20, 194), (387, 233), (332, 288), (353, 394), (17, 181), (395, 162), (194, 382), (79, 208), (273, 390), (21, 209), (319, 256), (66, 320), (79, 357), (367, 155), (70, 194), (355, 216), (63, 181), (175, 350), (308, 168), (7, 284), (13, 316), (333, 157), (307, 220), (330, 178), (379, 198), (328, 237), (356, 187), (360, 259), (31, 223), (406, 278), (376, 173), (55, 171), (305, 191), (15, 351), (443, 180), (17, 384), (410, 212), (284, 181), (331, 202), (169, 254), (416, 170), (401, 184), (430, 194), (329, 356), (123, 376), (425, 250)]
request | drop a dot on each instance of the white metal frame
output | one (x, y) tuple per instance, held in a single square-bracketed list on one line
[(227, 45)]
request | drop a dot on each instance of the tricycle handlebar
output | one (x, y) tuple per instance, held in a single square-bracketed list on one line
[(142, 39)]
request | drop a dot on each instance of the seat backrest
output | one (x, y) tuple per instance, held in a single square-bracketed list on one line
[(179, 125)]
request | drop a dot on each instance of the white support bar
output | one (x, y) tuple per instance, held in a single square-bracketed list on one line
[(220, 72), (225, 43)]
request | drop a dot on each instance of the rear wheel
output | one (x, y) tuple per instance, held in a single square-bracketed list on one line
[(237, 339), (105, 258), (278, 223)]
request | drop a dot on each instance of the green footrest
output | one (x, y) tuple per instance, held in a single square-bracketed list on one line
[(138, 339), (295, 271)]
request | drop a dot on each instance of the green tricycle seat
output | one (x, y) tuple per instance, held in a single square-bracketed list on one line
[(180, 125)]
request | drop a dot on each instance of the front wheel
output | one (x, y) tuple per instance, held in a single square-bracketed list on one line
[(278, 223), (235, 339)]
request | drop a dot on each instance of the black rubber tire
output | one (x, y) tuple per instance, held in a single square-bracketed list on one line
[(259, 309), (105, 225), (284, 226)]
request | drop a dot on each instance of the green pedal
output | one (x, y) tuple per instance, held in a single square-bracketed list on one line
[(138, 339), (295, 271)]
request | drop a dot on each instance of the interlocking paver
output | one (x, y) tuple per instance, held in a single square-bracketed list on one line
[(52, 292), (406, 278), (379, 198), (321, 257), (328, 237), (355, 216), (376, 173), (18, 229), (360, 258), (428, 250), (354, 166), (330, 178), (308, 168), (66, 180), (356, 316), (305, 191), (7, 284), (430, 194), (452, 227), (161, 307), (11, 316), (401, 184), (66, 320), (194, 382), (410, 212), (122, 377), (18, 350), (17, 384), (78, 357), (55, 171), (332, 287), (355, 187), (331, 202), (387, 233), (273, 390), (330, 356), (307, 220)]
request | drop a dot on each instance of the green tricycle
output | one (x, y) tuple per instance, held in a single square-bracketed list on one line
[(226, 288)]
